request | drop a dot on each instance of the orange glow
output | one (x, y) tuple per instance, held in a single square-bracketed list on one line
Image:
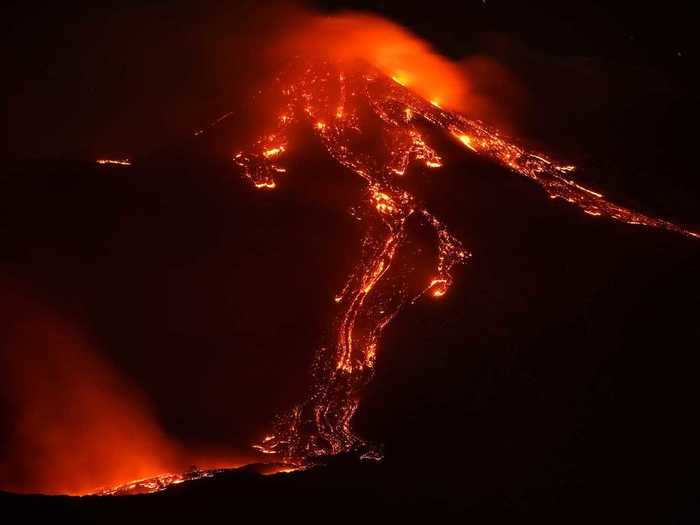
[(384, 204), (438, 287), (273, 469), (81, 429), (283, 470), (401, 77), (467, 141), (393, 50), (81, 426), (118, 162)]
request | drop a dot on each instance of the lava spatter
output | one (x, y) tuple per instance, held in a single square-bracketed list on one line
[(329, 96)]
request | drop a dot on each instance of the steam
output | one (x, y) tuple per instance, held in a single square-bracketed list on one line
[(77, 425)]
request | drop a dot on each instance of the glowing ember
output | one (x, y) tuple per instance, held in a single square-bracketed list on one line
[(266, 185), (118, 162), (467, 141), (315, 93)]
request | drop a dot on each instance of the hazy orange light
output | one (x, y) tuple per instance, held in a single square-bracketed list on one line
[(81, 426), (401, 77), (395, 51)]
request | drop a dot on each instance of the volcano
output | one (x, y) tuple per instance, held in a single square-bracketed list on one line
[(370, 125), (490, 291)]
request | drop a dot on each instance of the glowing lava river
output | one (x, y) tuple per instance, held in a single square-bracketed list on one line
[(331, 98), (336, 100)]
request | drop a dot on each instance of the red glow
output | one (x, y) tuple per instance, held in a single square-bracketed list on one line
[(78, 425)]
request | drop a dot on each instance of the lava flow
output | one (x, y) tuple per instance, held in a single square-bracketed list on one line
[(329, 95), (368, 103)]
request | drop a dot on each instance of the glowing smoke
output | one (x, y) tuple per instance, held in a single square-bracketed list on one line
[(385, 45), (77, 425)]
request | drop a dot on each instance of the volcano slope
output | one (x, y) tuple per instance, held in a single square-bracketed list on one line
[(555, 378)]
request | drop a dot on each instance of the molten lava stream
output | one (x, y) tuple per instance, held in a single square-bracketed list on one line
[(329, 95)]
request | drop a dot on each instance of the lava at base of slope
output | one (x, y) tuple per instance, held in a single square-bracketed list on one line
[(165, 481)]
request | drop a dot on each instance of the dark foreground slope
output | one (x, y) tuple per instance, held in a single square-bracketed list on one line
[(345, 492)]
